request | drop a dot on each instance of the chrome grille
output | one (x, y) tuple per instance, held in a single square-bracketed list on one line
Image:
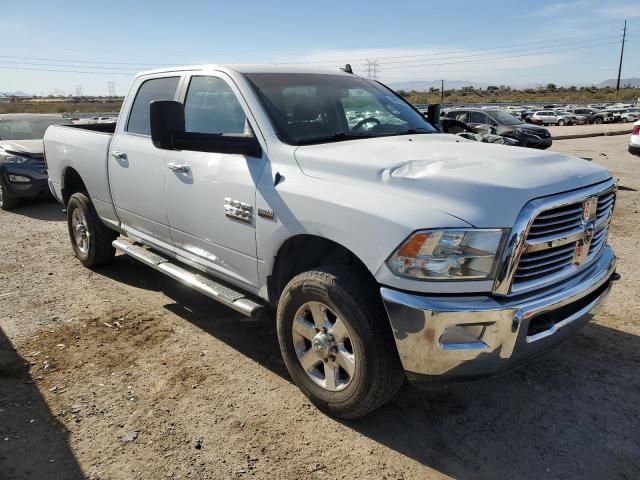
[(554, 237)]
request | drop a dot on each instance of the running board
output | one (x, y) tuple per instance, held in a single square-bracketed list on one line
[(203, 284)]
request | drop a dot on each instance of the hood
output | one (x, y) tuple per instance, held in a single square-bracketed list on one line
[(29, 147), (485, 185), (532, 127)]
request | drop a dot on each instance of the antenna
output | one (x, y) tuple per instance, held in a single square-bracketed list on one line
[(347, 68)]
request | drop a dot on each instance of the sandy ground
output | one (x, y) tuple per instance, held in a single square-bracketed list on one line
[(586, 129), (122, 373)]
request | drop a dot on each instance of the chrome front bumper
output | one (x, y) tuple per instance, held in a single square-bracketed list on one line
[(469, 336)]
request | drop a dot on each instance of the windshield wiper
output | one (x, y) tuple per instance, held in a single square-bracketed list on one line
[(414, 131), (336, 137)]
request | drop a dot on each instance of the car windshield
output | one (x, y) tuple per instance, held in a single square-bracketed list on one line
[(504, 118), (318, 108), (27, 128)]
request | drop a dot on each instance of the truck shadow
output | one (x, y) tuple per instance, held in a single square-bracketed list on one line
[(40, 209), (33, 444), (570, 414)]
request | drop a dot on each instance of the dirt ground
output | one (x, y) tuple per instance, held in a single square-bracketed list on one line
[(121, 373)]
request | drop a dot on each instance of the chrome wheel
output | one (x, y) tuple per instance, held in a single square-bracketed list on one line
[(80, 230), (323, 346)]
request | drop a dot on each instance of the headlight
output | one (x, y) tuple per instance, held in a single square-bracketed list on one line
[(447, 255), (10, 158)]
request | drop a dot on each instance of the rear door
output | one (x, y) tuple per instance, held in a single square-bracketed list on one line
[(137, 168), (206, 190)]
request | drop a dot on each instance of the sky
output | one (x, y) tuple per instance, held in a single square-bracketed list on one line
[(49, 47)]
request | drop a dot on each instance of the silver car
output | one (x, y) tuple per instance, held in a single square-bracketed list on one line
[(551, 117)]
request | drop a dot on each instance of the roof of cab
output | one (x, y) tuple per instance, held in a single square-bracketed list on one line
[(246, 69)]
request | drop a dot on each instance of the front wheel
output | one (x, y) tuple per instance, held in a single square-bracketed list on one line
[(624, 120), (7, 202), (561, 123), (598, 121), (337, 343), (90, 238)]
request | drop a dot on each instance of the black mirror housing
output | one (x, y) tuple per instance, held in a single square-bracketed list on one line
[(167, 121), (166, 118)]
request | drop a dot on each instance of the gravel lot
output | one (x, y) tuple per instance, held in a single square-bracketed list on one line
[(122, 373)]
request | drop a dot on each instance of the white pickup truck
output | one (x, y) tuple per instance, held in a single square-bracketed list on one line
[(388, 250)]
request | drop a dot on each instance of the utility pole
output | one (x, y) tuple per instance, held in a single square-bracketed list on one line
[(442, 92), (112, 89), (78, 90), (372, 69), (624, 36)]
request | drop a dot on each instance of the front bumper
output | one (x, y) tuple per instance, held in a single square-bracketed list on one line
[(36, 187), (533, 141), (458, 337)]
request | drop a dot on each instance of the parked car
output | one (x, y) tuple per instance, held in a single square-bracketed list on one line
[(624, 115), (23, 171), (551, 117), (572, 118), (456, 127), (634, 143), (504, 124), (593, 116), (388, 250)]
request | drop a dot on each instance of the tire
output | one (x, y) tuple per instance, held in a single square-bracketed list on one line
[(85, 226), (561, 123), (624, 120), (7, 202), (376, 373), (598, 121)]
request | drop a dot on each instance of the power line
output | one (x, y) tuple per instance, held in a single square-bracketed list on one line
[(65, 71)]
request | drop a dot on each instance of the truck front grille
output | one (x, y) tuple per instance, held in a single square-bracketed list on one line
[(563, 239)]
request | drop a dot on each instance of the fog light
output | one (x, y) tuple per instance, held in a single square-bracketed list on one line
[(19, 179), (463, 337)]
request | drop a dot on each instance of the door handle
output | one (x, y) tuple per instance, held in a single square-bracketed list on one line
[(119, 155), (178, 167)]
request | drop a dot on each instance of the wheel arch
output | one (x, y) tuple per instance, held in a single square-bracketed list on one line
[(303, 252), (71, 183)]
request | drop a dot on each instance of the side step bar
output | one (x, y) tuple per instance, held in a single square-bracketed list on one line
[(203, 284)]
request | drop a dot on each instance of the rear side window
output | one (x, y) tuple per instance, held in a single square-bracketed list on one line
[(212, 107), (154, 89)]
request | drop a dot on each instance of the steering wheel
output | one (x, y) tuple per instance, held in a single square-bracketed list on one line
[(362, 122)]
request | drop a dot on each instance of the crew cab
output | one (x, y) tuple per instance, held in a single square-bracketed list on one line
[(386, 249)]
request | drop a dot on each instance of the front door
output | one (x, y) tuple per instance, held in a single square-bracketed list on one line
[(137, 168), (211, 196)]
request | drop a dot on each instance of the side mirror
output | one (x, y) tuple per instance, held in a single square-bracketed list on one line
[(166, 119), (167, 122), (433, 114)]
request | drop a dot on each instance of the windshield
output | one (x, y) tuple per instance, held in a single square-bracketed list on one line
[(315, 108), (504, 118), (27, 128)]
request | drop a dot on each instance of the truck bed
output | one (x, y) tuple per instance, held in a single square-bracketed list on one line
[(85, 149)]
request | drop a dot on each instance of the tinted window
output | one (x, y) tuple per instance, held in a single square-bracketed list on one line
[(460, 116), (477, 117), (212, 107), (315, 108), (154, 89)]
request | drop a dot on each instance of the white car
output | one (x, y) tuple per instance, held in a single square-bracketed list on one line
[(634, 143), (386, 249), (551, 117)]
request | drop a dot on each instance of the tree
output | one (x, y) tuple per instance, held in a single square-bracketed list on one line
[(551, 87), (492, 88)]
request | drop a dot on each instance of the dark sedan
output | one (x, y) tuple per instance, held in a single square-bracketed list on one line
[(23, 171), (504, 124)]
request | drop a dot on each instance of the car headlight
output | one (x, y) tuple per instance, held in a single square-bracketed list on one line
[(10, 158), (448, 255)]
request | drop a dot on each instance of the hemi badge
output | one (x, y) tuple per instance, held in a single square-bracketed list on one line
[(264, 213)]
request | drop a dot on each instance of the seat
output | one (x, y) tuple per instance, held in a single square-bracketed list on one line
[(306, 121)]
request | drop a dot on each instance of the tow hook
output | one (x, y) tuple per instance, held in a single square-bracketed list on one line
[(615, 276)]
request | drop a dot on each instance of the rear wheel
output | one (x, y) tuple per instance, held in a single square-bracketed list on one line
[(90, 238), (624, 120), (337, 343), (561, 123), (598, 121), (7, 202)]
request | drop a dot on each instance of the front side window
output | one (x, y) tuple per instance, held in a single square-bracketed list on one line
[(212, 107), (504, 118), (317, 108), (149, 91), (477, 117)]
